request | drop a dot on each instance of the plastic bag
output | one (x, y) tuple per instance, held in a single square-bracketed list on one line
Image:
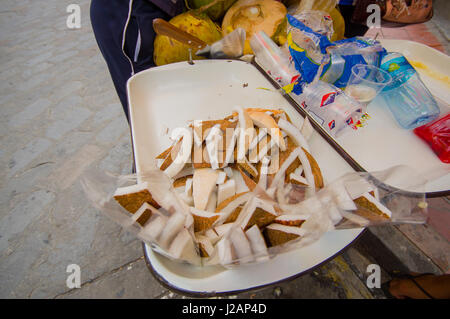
[(230, 46), (275, 218), (316, 56), (437, 135)]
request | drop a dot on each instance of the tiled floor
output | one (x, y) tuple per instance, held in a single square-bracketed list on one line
[(415, 32)]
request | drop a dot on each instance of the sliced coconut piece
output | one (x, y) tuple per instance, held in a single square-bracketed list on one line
[(258, 212), (277, 234), (164, 154), (143, 214), (151, 231), (203, 220), (183, 248), (228, 171), (225, 191), (241, 186), (234, 215), (257, 243), (183, 155), (229, 205), (188, 169), (212, 235), (357, 186), (213, 145), (241, 246), (262, 132), (133, 197), (247, 167), (179, 182), (341, 196), (188, 187), (172, 228), (257, 109), (230, 145), (188, 199), (290, 220), (225, 251), (294, 133), (369, 207), (262, 182), (221, 178), (174, 150), (205, 246), (247, 180), (212, 202), (246, 132), (264, 120), (307, 130), (204, 182), (297, 179), (223, 229), (263, 147)]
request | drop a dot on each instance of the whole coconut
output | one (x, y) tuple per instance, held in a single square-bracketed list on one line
[(216, 11), (167, 50), (254, 16)]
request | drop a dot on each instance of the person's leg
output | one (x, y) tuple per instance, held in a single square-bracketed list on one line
[(421, 287), (108, 20), (145, 12)]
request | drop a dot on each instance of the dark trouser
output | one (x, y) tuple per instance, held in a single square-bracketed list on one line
[(351, 29), (109, 18)]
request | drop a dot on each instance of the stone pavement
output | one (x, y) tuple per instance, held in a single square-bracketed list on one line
[(59, 115)]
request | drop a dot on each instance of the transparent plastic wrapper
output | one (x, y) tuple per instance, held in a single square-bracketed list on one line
[(230, 46), (275, 216), (315, 56), (334, 110), (319, 21), (276, 63)]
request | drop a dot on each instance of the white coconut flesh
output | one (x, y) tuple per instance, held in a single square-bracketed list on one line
[(249, 210), (288, 229), (206, 244), (221, 178), (153, 228), (257, 242), (183, 155), (212, 236), (204, 182), (173, 227), (262, 182), (261, 134), (241, 186), (263, 120), (223, 229), (241, 246), (279, 176), (294, 133), (298, 178), (232, 205), (307, 130), (213, 142), (226, 190), (212, 202), (246, 132), (381, 208), (183, 248), (224, 251)]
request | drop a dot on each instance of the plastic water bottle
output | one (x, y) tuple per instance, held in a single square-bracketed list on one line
[(407, 97)]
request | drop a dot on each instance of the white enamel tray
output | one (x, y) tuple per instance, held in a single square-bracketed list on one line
[(167, 97)]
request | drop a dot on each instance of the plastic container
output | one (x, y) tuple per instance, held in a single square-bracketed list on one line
[(407, 97), (366, 81), (331, 107)]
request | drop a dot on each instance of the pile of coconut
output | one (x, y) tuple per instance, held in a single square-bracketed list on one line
[(239, 186)]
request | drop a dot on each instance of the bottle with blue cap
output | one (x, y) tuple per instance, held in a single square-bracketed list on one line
[(407, 97)]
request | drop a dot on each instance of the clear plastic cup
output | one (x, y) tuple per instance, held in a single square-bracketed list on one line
[(366, 81), (331, 107)]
